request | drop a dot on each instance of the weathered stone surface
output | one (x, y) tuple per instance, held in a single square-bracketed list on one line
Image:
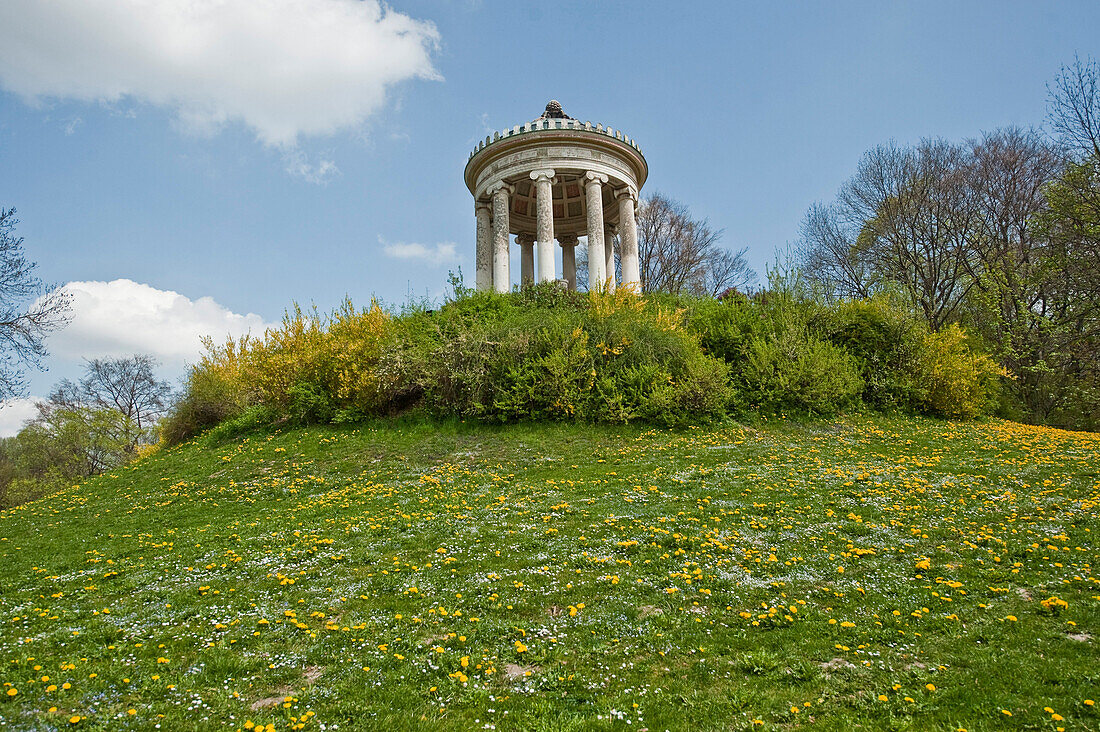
[(526, 242), (502, 276), (609, 255), (569, 259), (483, 256), (593, 191), (545, 222), (628, 241)]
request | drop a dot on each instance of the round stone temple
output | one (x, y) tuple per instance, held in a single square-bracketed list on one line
[(556, 178)]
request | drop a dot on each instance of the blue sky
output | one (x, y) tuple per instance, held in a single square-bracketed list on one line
[(287, 167)]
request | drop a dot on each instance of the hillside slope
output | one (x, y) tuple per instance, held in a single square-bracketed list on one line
[(872, 571)]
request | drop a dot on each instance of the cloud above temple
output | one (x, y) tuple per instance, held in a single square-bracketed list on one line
[(124, 317), (286, 69), (432, 254)]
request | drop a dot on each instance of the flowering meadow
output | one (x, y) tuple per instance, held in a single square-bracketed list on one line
[(873, 571)]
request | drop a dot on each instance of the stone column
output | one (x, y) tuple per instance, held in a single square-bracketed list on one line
[(609, 254), (569, 259), (597, 259), (628, 241), (502, 200), (544, 214), (483, 255), (526, 243)]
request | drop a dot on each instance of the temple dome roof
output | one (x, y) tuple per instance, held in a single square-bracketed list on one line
[(553, 111), (554, 141)]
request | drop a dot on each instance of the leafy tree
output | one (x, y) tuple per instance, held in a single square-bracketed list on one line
[(1070, 225), (1018, 304), (62, 446), (999, 233), (29, 311)]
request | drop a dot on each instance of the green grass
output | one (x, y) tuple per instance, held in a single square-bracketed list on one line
[(592, 578)]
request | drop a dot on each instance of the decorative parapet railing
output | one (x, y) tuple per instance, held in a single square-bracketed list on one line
[(554, 124)]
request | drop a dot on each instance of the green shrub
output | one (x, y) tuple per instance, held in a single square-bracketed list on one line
[(539, 354), (544, 353), (701, 390), (24, 490), (795, 371), (778, 358), (250, 420), (311, 369), (885, 341), (210, 397), (725, 327), (599, 358), (309, 404)]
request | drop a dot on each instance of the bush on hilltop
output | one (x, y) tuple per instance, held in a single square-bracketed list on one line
[(543, 353)]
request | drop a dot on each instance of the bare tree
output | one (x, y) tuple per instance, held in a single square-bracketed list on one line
[(29, 311), (679, 253), (1007, 171), (905, 219), (725, 271), (1075, 106), (126, 388), (829, 255)]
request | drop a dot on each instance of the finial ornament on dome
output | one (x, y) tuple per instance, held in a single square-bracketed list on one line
[(554, 111)]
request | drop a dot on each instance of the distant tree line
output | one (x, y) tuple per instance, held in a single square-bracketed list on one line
[(1000, 233), (102, 421)]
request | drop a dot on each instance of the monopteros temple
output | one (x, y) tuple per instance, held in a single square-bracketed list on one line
[(556, 178)]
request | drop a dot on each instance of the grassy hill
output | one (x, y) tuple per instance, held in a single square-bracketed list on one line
[(888, 573)]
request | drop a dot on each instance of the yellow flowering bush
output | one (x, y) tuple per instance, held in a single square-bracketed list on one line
[(955, 380), (312, 368)]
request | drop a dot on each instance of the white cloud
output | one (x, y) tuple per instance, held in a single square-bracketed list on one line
[(436, 255), (124, 317), (14, 413), (285, 68), (319, 173)]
